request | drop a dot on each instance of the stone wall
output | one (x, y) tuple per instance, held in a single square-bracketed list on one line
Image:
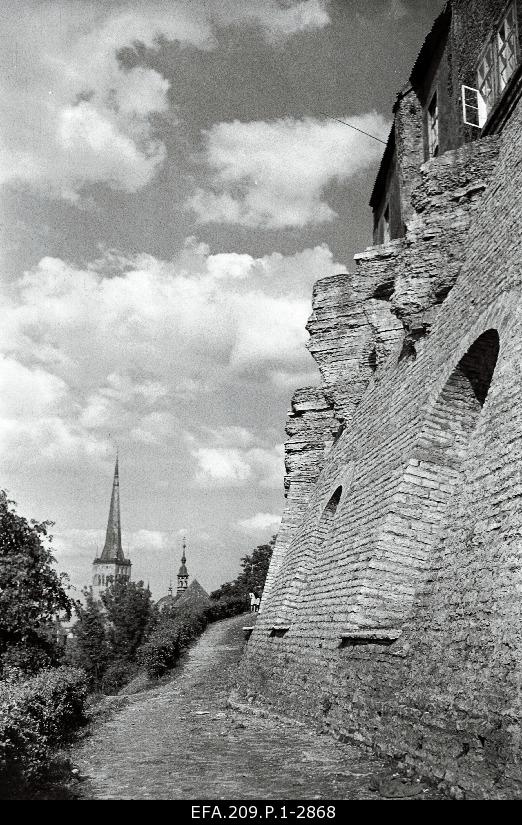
[(425, 543)]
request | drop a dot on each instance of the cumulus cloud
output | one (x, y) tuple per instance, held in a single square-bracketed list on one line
[(112, 350), (75, 114), (235, 466), (274, 174), (260, 523), (37, 419)]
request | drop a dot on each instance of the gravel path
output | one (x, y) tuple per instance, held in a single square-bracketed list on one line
[(182, 741)]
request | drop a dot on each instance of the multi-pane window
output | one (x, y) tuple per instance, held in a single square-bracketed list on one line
[(500, 59), (507, 47), (486, 77), (433, 127)]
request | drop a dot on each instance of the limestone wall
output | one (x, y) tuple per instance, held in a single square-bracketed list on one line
[(426, 539)]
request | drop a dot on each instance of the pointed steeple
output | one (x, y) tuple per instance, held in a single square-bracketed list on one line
[(112, 550), (183, 572), (183, 569)]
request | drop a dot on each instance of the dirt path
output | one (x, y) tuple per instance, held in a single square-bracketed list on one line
[(181, 741)]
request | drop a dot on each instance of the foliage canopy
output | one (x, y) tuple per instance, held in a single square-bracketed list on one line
[(32, 593)]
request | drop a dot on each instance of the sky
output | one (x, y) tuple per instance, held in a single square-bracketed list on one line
[(172, 184)]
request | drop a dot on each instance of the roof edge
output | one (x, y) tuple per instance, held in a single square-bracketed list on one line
[(440, 29), (380, 181)]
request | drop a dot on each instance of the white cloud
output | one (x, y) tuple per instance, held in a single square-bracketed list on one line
[(28, 393), (73, 114), (229, 436), (115, 349), (268, 328), (226, 466), (48, 441), (37, 419), (229, 462), (290, 379), (278, 19), (260, 523), (274, 174), (231, 467)]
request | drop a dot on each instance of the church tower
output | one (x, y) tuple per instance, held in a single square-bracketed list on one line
[(112, 564), (183, 575)]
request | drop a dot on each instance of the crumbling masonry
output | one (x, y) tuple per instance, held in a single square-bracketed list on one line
[(393, 608)]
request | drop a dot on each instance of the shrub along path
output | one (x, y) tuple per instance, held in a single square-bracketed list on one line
[(182, 741)]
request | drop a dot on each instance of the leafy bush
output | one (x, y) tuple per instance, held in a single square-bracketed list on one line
[(117, 675), (227, 606), (28, 660), (37, 716), (175, 631)]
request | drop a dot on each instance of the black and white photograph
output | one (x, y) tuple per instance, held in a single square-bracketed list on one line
[(261, 403)]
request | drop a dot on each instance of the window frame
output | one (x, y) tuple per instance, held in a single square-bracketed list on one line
[(493, 80), (386, 223), (509, 44), (433, 125), (474, 109), (489, 76)]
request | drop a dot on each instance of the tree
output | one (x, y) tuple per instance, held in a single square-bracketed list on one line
[(255, 567), (32, 593), (129, 614), (89, 647), (251, 579)]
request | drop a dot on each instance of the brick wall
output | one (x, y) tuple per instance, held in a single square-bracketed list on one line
[(428, 533)]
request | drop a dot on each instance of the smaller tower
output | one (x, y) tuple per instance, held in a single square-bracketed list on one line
[(183, 575)]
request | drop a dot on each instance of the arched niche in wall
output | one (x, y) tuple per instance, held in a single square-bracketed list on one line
[(417, 520), (328, 516), (303, 557)]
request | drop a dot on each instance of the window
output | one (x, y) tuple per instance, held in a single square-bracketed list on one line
[(507, 47), (499, 59), (433, 127), (486, 77), (474, 106), (386, 226)]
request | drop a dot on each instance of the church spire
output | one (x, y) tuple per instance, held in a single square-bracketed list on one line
[(111, 566), (112, 550), (183, 572)]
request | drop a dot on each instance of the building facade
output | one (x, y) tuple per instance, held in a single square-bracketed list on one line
[(391, 612), (112, 565)]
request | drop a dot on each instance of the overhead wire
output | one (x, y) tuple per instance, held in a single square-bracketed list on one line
[(345, 123)]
